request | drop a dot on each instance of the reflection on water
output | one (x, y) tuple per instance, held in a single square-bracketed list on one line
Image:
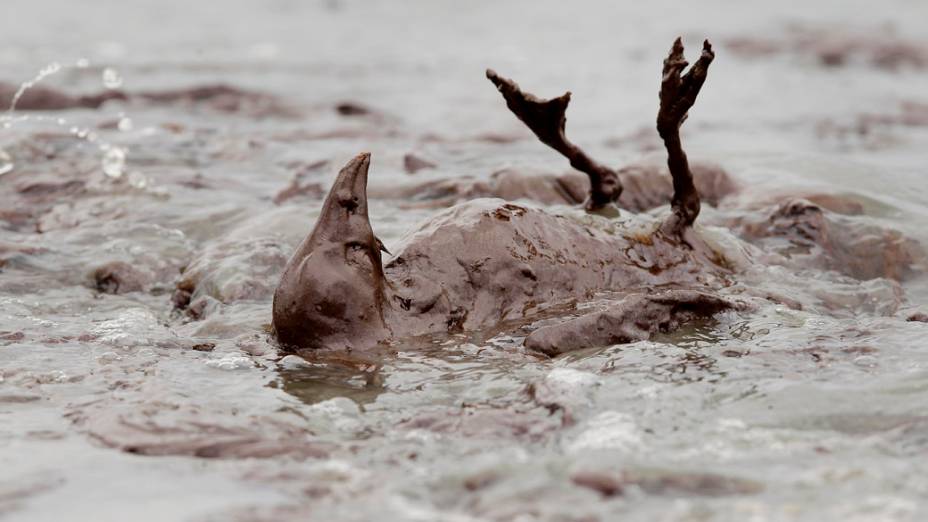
[(322, 379)]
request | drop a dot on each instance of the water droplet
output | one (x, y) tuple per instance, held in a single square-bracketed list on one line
[(82, 133), (111, 78), (114, 162), (82, 63), (137, 180), (50, 69), (74, 130), (6, 162), (61, 121), (124, 124)]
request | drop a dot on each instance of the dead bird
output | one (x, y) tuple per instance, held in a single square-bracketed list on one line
[(485, 262)]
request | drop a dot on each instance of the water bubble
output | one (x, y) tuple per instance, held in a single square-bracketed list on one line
[(124, 124), (6, 162), (114, 162), (111, 78), (82, 63)]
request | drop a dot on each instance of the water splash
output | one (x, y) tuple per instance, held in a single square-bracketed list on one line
[(124, 124), (114, 162), (111, 78), (114, 158), (45, 72), (9, 119)]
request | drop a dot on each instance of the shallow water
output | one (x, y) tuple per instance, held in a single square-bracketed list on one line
[(115, 406)]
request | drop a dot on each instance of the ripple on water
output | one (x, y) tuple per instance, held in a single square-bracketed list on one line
[(231, 362), (132, 327), (609, 430)]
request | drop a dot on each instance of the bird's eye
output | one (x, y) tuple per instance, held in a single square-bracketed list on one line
[(358, 254), (349, 203)]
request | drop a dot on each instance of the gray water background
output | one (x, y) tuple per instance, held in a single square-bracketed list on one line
[(821, 417)]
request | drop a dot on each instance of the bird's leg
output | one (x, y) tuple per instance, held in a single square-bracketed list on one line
[(547, 119), (678, 94)]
